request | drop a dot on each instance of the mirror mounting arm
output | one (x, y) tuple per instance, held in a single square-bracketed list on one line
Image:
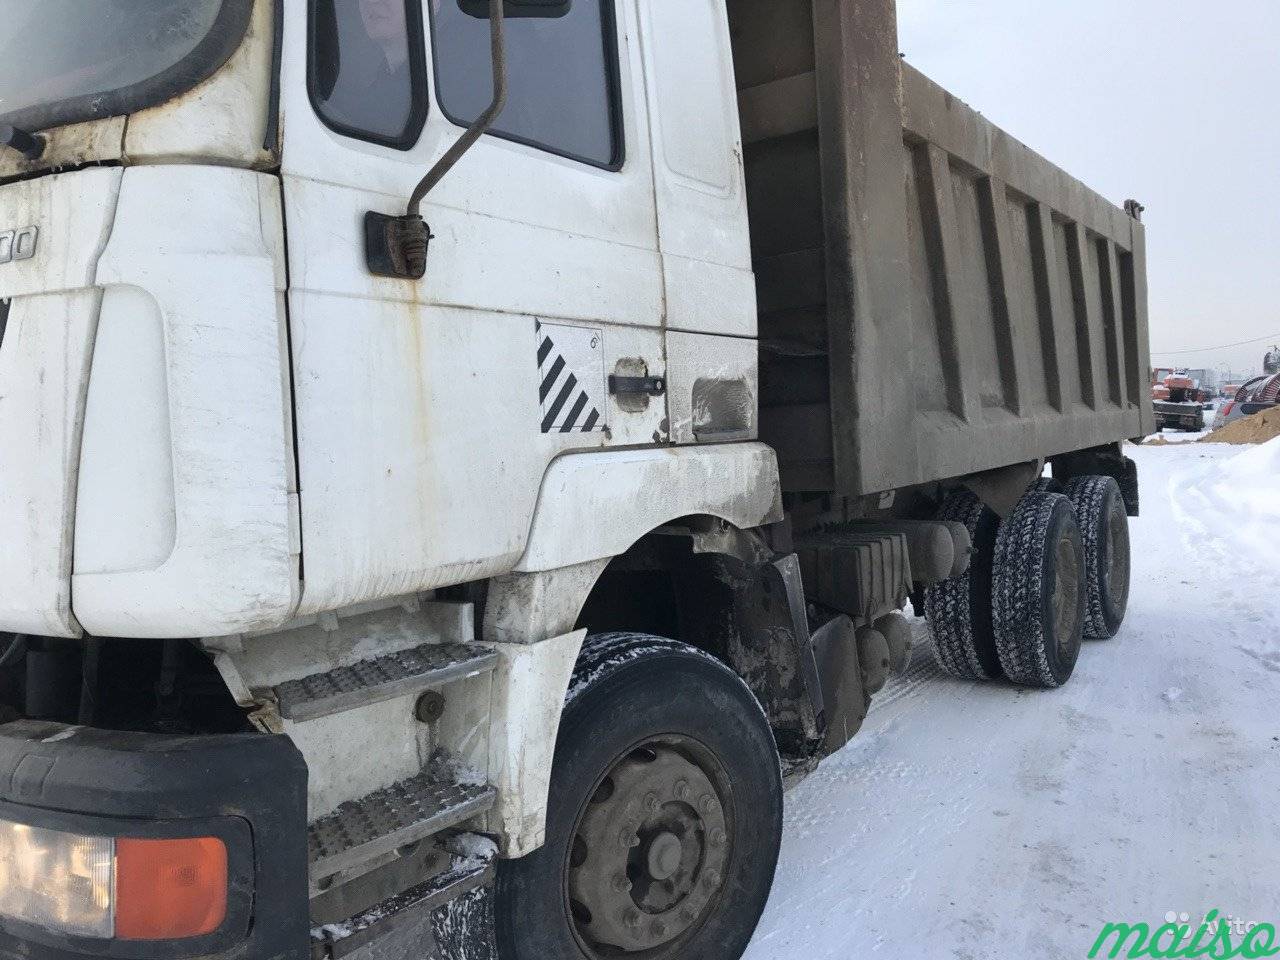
[(498, 53), (397, 246)]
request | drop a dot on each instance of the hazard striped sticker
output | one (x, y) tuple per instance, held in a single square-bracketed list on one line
[(570, 378)]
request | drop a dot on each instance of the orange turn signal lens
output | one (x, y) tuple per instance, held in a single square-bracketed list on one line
[(170, 889)]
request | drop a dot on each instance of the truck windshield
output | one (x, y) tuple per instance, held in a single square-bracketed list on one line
[(67, 61)]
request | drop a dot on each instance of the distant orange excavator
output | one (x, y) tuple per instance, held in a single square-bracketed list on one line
[(1178, 399)]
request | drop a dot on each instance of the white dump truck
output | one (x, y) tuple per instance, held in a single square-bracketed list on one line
[(460, 458)]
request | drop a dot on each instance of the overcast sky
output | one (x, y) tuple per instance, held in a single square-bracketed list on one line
[(1173, 102)]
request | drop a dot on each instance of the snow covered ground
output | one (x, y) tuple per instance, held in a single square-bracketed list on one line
[(983, 821)]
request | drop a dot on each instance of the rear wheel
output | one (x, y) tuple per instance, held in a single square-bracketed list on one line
[(665, 814), (1104, 532), (959, 608), (1038, 591)]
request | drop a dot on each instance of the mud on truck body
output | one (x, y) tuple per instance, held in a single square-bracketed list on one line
[(465, 578)]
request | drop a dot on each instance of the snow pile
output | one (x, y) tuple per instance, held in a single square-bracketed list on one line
[(474, 849), (1236, 502)]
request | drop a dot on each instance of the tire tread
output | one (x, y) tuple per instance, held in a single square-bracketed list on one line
[(949, 605), (1022, 637)]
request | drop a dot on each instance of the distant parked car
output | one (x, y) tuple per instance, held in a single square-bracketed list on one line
[(1256, 395), (1227, 411)]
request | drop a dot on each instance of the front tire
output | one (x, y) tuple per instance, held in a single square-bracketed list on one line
[(665, 814)]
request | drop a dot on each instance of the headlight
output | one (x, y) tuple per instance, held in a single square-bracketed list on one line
[(57, 880), (107, 887)]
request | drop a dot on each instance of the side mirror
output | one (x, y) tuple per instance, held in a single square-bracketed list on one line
[(518, 9)]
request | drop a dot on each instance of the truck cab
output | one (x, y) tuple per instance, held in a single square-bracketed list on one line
[(159, 238), (459, 457)]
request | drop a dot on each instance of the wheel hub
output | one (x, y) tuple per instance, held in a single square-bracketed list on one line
[(1066, 594), (1116, 575), (666, 853), (649, 854)]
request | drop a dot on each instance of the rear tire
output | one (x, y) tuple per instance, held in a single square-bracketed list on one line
[(959, 609), (1104, 531), (665, 814), (1039, 591)]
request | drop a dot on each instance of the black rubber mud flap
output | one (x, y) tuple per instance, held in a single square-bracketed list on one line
[(836, 648)]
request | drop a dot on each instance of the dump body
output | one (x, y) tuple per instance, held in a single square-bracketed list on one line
[(935, 298)]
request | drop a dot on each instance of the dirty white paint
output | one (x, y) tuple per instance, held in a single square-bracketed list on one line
[(43, 370), (528, 697), (100, 141), (330, 643), (223, 119), (44, 366), (637, 491), (393, 378), (206, 245), (713, 383), (529, 607), (126, 517), (354, 753), (699, 182)]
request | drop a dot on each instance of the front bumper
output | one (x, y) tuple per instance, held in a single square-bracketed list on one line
[(250, 790)]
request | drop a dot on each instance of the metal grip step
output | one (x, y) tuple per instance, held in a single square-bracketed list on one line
[(385, 678), (382, 822), (464, 875)]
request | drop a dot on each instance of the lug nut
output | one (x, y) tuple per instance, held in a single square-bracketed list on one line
[(659, 929), (707, 804), (621, 884), (711, 879), (717, 837), (682, 790), (652, 803), (632, 919)]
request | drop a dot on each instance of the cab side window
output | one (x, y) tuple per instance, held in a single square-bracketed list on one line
[(563, 77), (367, 69)]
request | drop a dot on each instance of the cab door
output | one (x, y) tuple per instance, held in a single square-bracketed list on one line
[(428, 412), (709, 286)]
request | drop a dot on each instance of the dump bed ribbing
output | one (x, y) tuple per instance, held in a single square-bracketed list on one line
[(936, 299)]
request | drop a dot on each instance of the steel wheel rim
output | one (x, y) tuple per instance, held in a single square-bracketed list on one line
[(1117, 566), (670, 801), (1066, 595)]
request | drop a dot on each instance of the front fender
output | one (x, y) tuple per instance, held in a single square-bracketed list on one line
[(594, 506)]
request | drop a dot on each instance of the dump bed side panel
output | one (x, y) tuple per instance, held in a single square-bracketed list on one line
[(1030, 289), (935, 298)]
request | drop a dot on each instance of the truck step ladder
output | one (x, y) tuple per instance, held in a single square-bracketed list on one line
[(384, 678), (362, 830)]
